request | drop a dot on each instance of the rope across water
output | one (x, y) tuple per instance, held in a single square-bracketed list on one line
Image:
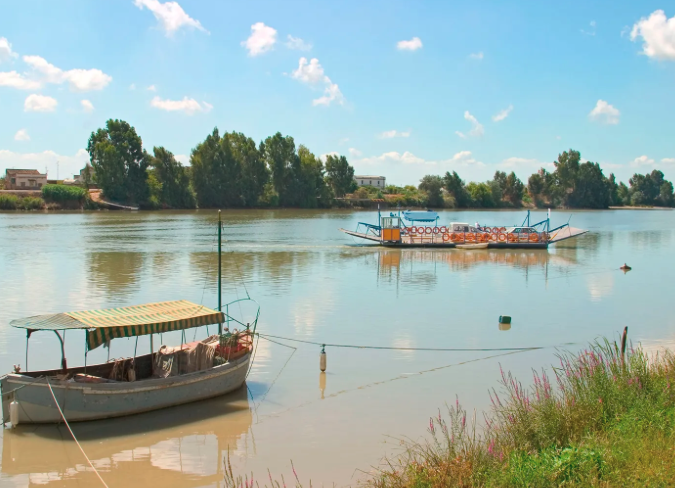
[(392, 348)]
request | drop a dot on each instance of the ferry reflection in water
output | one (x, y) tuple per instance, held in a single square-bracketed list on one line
[(393, 262), (180, 446)]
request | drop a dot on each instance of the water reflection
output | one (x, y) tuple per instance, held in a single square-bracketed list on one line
[(181, 446), (117, 273)]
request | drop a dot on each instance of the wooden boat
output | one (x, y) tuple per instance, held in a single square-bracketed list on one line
[(168, 377), (483, 245), (391, 231)]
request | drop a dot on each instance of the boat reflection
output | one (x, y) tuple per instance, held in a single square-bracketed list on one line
[(393, 259), (182, 446)]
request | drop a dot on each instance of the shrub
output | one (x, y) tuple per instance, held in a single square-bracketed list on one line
[(31, 203), (9, 202), (63, 193)]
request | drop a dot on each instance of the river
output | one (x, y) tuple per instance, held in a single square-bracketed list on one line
[(316, 284)]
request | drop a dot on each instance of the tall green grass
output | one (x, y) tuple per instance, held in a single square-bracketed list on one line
[(64, 193), (13, 202), (604, 420)]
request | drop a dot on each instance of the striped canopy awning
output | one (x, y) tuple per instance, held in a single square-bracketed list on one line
[(106, 324)]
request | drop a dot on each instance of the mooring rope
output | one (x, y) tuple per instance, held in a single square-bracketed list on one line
[(392, 348), (72, 434)]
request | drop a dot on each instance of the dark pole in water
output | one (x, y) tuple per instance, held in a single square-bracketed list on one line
[(623, 343), (220, 298)]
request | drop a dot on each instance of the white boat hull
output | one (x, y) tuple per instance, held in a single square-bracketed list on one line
[(93, 401)]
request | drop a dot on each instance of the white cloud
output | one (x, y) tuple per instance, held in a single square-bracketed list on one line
[(390, 134), (6, 52), (668, 161), (502, 114), (68, 165), (39, 103), (187, 105), (476, 130), (132, 86), (183, 159), (87, 106), (332, 94), (21, 135), (658, 35), (79, 79), (309, 72), (152, 88), (605, 113), (262, 39), (344, 140), (591, 32), (312, 73), (323, 157), (355, 152), (478, 55), (12, 79), (170, 15), (642, 161), (462, 158), (558, 137), (524, 166), (412, 45), (297, 44)]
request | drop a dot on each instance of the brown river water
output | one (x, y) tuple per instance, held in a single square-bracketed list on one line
[(315, 284)]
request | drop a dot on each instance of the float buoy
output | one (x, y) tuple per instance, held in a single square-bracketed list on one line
[(322, 360)]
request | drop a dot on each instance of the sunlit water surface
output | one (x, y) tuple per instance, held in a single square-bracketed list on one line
[(315, 284)]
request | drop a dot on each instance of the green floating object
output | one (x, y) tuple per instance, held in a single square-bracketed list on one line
[(504, 319)]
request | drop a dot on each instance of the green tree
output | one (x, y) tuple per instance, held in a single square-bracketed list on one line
[(216, 173), (119, 161), (279, 154), (591, 189), (340, 175), (624, 194), (176, 190), (433, 186), (481, 194), (613, 191), (513, 190), (254, 172), (536, 189), (309, 181), (456, 188), (565, 176)]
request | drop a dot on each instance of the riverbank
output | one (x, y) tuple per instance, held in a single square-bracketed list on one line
[(609, 421)]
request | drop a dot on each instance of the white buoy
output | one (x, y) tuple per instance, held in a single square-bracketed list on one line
[(14, 413), (322, 360)]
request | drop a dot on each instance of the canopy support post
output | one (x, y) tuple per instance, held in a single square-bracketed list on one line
[(220, 272), (64, 363), (28, 333)]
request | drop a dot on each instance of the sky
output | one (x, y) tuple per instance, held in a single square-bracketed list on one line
[(402, 88)]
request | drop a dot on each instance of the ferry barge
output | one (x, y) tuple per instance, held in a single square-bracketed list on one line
[(425, 231)]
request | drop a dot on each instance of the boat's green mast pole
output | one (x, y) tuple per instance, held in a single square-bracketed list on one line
[(220, 297)]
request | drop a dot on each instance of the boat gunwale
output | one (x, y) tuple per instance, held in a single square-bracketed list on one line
[(113, 387)]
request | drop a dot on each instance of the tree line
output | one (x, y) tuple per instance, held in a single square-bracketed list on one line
[(230, 170), (572, 184), (226, 170)]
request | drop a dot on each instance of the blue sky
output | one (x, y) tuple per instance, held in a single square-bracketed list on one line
[(403, 89)]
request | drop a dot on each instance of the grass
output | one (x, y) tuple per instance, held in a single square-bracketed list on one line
[(12, 202), (600, 420), (606, 422)]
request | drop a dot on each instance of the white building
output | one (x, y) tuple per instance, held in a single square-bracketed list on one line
[(376, 181), (24, 179)]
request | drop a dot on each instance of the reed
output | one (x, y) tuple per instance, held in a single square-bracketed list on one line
[(601, 420), (13, 202)]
